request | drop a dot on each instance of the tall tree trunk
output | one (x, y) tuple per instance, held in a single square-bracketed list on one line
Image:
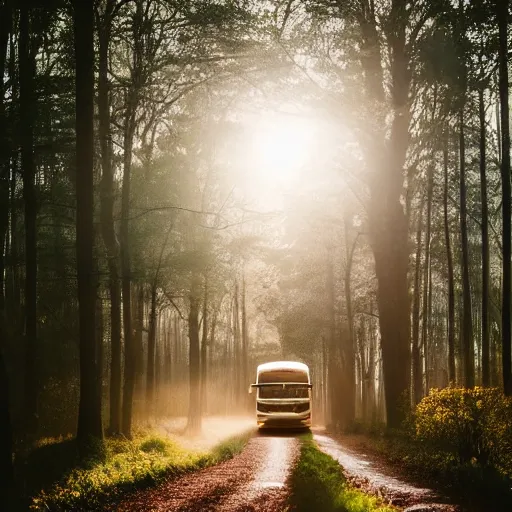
[(467, 321), (115, 348), (13, 289), (6, 441), (132, 102), (324, 380), (138, 339), (126, 281), (89, 411), (129, 349), (99, 340), (426, 273), (6, 444), (168, 356), (158, 363), (359, 335), (502, 16), (5, 153), (449, 263), (467, 344), (388, 224), (332, 353), (176, 375), (6, 437), (27, 107), (107, 217), (389, 235), (485, 242), (348, 348), (211, 343), (204, 352), (236, 344), (194, 413), (372, 401), (245, 346), (5, 29), (227, 364), (498, 126), (430, 343), (416, 358), (150, 375)]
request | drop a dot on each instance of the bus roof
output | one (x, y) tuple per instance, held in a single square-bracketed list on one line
[(282, 365)]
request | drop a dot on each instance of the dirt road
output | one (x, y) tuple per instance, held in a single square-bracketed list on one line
[(255, 480)]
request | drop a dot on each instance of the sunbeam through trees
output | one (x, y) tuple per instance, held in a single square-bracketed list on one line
[(191, 188)]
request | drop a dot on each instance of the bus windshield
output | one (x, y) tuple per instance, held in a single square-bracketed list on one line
[(278, 391), (283, 375)]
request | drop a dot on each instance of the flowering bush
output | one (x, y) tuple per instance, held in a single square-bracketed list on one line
[(474, 425)]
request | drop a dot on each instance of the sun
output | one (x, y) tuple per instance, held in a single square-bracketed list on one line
[(277, 154), (280, 146)]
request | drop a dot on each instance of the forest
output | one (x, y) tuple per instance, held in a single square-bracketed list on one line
[(189, 188)]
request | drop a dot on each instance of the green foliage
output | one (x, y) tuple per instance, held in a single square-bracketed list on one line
[(120, 467), (229, 448), (475, 425), (154, 444), (459, 440), (318, 484)]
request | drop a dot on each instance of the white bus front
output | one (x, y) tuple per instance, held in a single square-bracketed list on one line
[(283, 396)]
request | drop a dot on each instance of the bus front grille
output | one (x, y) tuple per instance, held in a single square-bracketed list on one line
[(283, 407)]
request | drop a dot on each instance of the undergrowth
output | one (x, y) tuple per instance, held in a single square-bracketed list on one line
[(120, 466), (460, 441), (317, 483), (467, 482)]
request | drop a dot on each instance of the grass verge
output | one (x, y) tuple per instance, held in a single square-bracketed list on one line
[(120, 466), (317, 483)]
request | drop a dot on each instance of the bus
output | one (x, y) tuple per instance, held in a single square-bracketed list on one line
[(283, 395)]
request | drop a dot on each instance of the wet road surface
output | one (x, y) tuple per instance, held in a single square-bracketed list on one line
[(374, 477), (255, 480)]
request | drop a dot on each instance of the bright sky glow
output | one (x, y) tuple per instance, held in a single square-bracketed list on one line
[(283, 154), (281, 145)]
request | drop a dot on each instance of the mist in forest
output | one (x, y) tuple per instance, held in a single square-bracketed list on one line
[(191, 189)]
